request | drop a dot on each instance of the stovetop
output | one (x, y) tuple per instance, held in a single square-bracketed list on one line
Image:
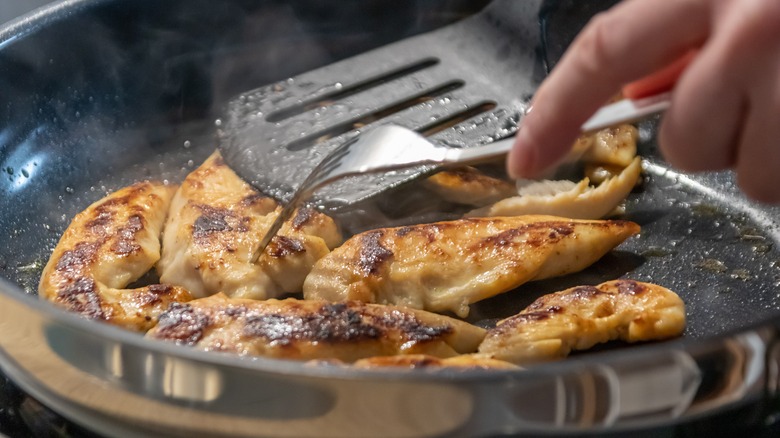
[(23, 416)]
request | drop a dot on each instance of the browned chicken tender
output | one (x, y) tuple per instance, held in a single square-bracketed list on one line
[(310, 330), (214, 230), (446, 266), (583, 316), (616, 146), (463, 361), (112, 243), (469, 186)]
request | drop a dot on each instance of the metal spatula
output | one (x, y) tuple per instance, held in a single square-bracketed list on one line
[(464, 85)]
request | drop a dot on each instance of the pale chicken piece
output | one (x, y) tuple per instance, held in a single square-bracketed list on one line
[(213, 233), (566, 198), (446, 266), (416, 361), (469, 186), (313, 330), (112, 243), (610, 146), (616, 146), (581, 317)]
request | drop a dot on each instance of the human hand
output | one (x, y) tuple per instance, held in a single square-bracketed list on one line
[(725, 110)]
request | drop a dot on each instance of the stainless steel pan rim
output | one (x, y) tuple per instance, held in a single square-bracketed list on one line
[(40, 17)]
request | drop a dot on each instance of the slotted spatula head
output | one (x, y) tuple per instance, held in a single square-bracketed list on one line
[(466, 85)]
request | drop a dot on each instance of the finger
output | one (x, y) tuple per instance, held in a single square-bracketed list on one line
[(701, 128), (758, 157), (660, 81), (618, 46), (758, 160)]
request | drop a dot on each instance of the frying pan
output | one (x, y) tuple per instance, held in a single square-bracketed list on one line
[(100, 93)]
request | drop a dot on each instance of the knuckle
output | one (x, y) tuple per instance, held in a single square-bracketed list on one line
[(751, 23)]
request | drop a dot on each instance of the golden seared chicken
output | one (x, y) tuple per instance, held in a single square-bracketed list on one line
[(616, 146), (446, 266), (214, 229), (566, 198), (581, 317), (307, 330), (112, 243), (469, 186), (463, 361)]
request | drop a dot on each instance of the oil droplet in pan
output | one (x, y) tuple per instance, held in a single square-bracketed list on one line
[(712, 265)]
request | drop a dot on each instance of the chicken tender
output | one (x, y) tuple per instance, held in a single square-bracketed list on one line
[(213, 233), (112, 243), (469, 186), (446, 266), (463, 361), (568, 199), (311, 330), (581, 317), (615, 146)]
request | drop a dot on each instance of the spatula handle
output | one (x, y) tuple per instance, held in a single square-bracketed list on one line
[(479, 154), (627, 110), (623, 111)]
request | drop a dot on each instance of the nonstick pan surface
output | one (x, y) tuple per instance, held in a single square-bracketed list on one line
[(99, 94)]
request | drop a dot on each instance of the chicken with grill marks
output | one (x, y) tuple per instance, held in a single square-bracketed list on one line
[(112, 243), (312, 330), (446, 266), (581, 317), (213, 233)]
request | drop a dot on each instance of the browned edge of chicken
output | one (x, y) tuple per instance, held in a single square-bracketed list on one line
[(581, 317), (112, 243), (311, 329), (422, 361), (445, 266), (213, 233)]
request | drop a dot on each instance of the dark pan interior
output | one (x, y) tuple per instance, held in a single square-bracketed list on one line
[(120, 91)]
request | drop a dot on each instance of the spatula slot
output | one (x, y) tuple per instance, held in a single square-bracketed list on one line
[(349, 90), (455, 119), (344, 127)]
